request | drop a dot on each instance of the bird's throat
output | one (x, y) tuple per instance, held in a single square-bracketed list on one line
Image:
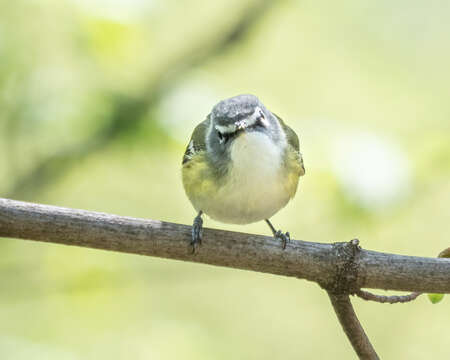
[(254, 154)]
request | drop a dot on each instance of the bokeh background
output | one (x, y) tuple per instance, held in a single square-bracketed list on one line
[(97, 102)]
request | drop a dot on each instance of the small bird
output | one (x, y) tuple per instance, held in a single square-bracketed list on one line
[(241, 165)]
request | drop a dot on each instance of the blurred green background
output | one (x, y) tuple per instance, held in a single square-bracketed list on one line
[(97, 102)]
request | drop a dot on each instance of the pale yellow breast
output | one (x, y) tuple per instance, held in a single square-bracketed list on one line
[(256, 187)]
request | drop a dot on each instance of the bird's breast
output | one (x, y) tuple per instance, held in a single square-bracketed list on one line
[(255, 185), (255, 160)]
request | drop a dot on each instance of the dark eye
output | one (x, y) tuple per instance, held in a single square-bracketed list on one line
[(261, 119), (222, 137)]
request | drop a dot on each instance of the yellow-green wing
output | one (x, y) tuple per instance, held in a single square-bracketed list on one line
[(197, 142), (293, 141)]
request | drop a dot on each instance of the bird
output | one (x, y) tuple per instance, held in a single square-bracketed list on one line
[(241, 165)]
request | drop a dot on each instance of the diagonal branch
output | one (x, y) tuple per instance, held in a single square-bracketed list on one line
[(352, 327)]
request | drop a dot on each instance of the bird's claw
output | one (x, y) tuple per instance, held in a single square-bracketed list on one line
[(284, 237), (197, 232)]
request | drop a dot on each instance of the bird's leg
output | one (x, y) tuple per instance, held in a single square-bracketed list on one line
[(197, 231), (278, 234)]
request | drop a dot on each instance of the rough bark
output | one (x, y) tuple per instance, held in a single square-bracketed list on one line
[(321, 263), (342, 268)]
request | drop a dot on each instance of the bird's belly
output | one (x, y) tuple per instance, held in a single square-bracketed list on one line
[(244, 202)]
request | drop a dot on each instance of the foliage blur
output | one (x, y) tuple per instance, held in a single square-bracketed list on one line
[(97, 101)]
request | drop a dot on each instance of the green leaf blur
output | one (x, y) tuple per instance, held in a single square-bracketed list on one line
[(435, 298), (97, 103)]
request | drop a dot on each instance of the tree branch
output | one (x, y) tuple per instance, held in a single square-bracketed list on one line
[(312, 261), (352, 328), (340, 268)]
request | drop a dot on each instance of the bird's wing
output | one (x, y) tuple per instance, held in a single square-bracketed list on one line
[(197, 143), (293, 142)]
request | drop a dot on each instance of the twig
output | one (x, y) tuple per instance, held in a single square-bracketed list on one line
[(393, 299), (352, 327)]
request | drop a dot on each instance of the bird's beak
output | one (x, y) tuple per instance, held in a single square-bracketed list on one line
[(241, 124)]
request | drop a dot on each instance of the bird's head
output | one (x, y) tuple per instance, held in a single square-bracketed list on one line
[(240, 116)]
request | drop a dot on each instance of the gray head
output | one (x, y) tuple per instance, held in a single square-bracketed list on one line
[(234, 116)]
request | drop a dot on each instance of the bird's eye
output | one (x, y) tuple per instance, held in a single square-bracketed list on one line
[(221, 137), (262, 119)]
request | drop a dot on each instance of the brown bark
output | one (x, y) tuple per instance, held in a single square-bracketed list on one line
[(341, 268)]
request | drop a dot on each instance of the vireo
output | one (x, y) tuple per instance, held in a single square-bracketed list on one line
[(241, 165)]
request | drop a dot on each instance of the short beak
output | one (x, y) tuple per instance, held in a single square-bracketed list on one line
[(241, 124)]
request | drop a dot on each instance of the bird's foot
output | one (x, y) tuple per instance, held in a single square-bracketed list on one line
[(284, 237), (278, 234), (197, 232)]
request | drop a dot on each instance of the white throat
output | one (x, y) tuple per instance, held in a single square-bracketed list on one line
[(254, 187), (253, 155)]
